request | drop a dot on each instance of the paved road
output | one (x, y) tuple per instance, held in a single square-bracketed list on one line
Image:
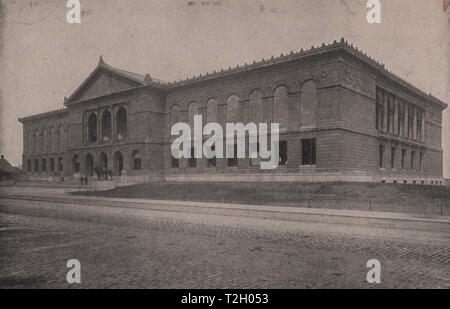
[(121, 247)]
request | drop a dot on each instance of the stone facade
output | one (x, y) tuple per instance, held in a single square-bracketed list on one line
[(342, 115)]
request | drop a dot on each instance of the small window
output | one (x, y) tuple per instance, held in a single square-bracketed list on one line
[(44, 165), (233, 162), (283, 153), (76, 164), (308, 151), (381, 156), (29, 166), (36, 165), (192, 159), (403, 158), (175, 163), (413, 158), (393, 150), (421, 161), (52, 165)]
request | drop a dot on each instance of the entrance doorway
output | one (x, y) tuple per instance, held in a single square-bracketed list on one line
[(118, 163)]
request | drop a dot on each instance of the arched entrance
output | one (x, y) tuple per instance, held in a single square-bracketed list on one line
[(136, 160), (118, 163), (103, 160), (89, 165), (75, 164)]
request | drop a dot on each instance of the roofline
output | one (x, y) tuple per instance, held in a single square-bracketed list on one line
[(147, 79), (43, 115), (292, 56), (313, 51)]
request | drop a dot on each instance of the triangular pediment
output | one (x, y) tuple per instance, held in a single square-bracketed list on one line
[(105, 80)]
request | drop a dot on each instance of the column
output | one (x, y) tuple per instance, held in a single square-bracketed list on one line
[(99, 126), (415, 123), (385, 112), (423, 126)]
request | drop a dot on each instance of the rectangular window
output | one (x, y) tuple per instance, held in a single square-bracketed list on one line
[(391, 114), (283, 153), (421, 160), (192, 159), (52, 165), (60, 165), (29, 166), (381, 156), (308, 151), (44, 165), (403, 158), (137, 164), (401, 118), (36, 165), (393, 150), (175, 163), (413, 158), (233, 162), (410, 121), (419, 125)]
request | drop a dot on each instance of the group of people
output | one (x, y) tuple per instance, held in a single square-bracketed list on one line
[(84, 180)]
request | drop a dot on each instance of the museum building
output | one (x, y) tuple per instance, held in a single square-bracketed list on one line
[(342, 116)]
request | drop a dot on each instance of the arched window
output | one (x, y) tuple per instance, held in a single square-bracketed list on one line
[(136, 160), (211, 111), (106, 125), (89, 165), (233, 109), (256, 107), (122, 123), (118, 163), (309, 102), (174, 115), (192, 111), (61, 139), (76, 164), (92, 128), (281, 107)]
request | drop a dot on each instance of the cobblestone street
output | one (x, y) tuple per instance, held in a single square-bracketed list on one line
[(136, 247)]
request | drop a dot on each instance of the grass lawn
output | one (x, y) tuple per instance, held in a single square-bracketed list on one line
[(363, 196)]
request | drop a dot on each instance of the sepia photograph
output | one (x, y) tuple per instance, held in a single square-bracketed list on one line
[(224, 149)]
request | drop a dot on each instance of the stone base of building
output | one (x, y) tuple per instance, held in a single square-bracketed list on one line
[(313, 178), (138, 177)]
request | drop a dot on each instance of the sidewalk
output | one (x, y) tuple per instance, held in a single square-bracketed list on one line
[(127, 202)]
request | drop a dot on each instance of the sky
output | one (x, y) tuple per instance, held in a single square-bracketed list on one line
[(44, 58)]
